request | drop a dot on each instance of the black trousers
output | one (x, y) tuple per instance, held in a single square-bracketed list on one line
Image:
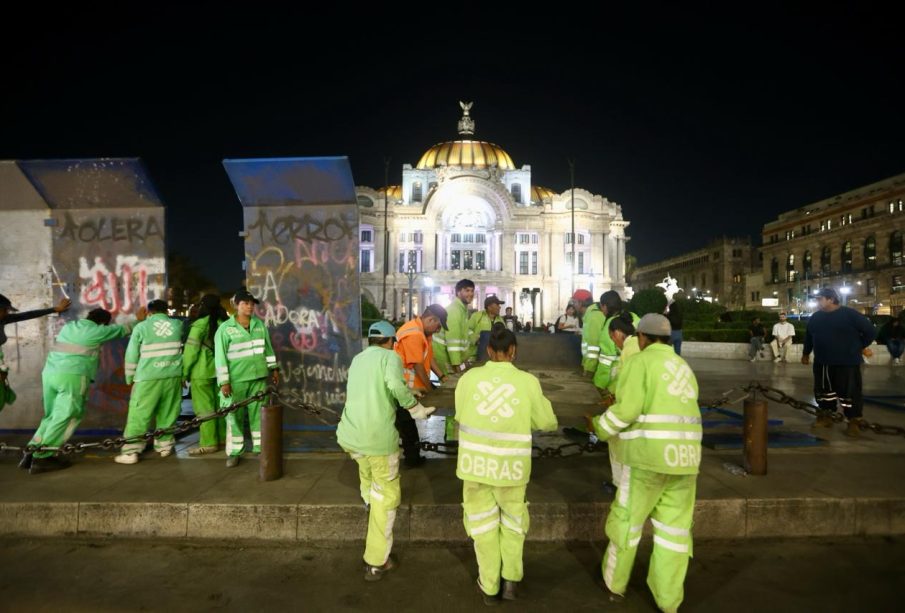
[(839, 385), (408, 432)]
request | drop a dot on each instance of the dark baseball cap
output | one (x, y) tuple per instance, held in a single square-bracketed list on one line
[(6, 304), (439, 312), (828, 292), (492, 299), (244, 295)]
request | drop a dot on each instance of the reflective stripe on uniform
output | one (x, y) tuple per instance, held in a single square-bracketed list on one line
[(616, 421), (659, 525), (662, 542), (499, 436), (484, 515), (75, 349), (244, 353), (526, 451), (669, 419), (257, 342), (667, 434), (193, 342), (607, 360), (485, 528), (602, 422)]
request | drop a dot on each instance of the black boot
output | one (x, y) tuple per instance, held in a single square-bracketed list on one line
[(46, 465), (510, 590), (25, 462), (411, 442)]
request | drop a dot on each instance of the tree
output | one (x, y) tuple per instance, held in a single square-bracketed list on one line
[(186, 283)]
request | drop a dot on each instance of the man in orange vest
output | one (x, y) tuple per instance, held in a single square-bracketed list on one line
[(413, 344)]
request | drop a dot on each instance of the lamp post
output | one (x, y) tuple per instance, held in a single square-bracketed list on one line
[(411, 274), (572, 183), (386, 233)]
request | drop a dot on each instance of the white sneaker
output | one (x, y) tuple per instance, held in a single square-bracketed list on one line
[(777, 360), (752, 359), (126, 458), (166, 452), (897, 361)]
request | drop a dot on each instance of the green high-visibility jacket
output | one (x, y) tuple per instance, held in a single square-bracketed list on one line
[(609, 354), (497, 407), (591, 326), (375, 387), (243, 355), (77, 347), (198, 355), (656, 414), (479, 322), (155, 349), (451, 346)]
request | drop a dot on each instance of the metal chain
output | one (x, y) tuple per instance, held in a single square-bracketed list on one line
[(292, 400), (566, 450), (776, 395)]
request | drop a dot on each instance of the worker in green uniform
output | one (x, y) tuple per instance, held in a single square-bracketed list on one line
[(154, 364), (621, 331), (482, 321), (658, 423), (612, 306), (199, 372), (70, 368), (244, 359), (367, 432), (451, 345), (497, 407), (593, 318)]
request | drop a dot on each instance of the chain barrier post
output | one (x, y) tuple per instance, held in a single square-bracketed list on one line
[(755, 449), (271, 462)]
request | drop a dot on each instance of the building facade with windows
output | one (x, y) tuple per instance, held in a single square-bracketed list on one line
[(852, 242), (716, 272), (464, 210)]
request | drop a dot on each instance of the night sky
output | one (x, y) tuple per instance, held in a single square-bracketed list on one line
[(698, 125)]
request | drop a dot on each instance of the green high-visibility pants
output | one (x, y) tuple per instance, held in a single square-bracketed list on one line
[(204, 402), (669, 502), (235, 421), (64, 407), (157, 400), (496, 518), (378, 477)]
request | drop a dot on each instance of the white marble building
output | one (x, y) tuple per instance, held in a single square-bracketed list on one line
[(466, 211)]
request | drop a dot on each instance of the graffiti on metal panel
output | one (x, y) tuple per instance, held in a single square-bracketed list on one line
[(303, 269), (121, 286), (113, 229)]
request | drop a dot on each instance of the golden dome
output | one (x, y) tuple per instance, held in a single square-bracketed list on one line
[(539, 194), (466, 154)]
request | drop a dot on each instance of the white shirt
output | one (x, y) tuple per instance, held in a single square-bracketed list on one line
[(783, 330)]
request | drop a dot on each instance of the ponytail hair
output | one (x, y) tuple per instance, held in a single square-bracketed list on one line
[(502, 338), (622, 323)]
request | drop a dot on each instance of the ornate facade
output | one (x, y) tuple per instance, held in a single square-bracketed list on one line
[(466, 211), (852, 242)]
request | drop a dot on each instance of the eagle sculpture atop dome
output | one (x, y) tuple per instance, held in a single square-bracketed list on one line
[(466, 124)]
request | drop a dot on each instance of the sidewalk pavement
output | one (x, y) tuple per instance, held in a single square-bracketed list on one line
[(840, 487)]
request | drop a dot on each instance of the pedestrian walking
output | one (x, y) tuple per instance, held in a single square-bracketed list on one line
[(837, 335), (367, 432), (658, 423), (245, 360), (153, 367), (497, 407)]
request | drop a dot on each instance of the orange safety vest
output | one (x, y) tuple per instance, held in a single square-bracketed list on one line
[(414, 347)]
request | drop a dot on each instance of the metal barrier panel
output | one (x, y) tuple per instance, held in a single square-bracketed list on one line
[(107, 251), (301, 262)]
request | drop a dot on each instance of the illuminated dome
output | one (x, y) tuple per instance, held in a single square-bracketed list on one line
[(539, 194), (466, 154)]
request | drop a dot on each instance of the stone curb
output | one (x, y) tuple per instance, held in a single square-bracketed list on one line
[(730, 518)]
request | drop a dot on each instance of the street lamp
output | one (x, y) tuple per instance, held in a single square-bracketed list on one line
[(386, 233), (572, 182), (845, 290), (411, 274)]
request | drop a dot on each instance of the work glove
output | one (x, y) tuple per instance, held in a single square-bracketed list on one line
[(419, 411)]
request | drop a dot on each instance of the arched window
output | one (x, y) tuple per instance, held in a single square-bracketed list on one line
[(895, 248), (847, 256), (870, 252), (517, 193), (416, 191), (790, 267), (806, 265), (825, 261), (774, 271)]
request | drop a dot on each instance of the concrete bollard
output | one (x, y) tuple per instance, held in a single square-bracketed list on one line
[(271, 462), (756, 436)]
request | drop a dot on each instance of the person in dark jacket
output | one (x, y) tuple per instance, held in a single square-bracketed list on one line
[(838, 336), (10, 315), (676, 319)]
